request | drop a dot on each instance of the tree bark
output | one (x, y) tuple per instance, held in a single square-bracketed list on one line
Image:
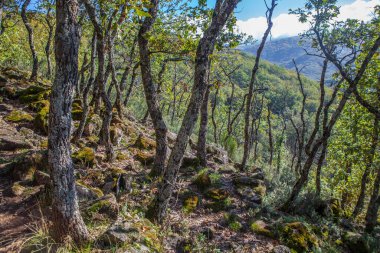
[(201, 147), (29, 28), (270, 137), (373, 206), (151, 91), (67, 220), (222, 11)]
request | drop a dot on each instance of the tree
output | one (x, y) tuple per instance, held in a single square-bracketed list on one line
[(329, 38), (222, 11), (29, 28), (151, 91), (248, 105), (67, 220)]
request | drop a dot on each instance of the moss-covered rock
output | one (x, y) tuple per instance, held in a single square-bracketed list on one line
[(217, 193), (41, 120), (145, 157), (203, 180), (298, 237), (190, 203), (86, 192), (76, 114), (85, 156), (30, 98), (261, 228), (144, 142), (116, 135), (19, 116), (105, 208), (39, 105), (17, 189)]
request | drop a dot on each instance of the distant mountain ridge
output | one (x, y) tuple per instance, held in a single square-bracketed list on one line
[(282, 51)]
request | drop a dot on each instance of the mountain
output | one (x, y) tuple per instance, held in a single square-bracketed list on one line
[(283, 51)]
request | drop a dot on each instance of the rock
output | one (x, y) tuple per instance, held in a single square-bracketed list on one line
[(190, 203), (145, 157), (190, 160), (123, 184), (203, 180), (85, 156), (249, 195), (217, 193), (355, 242), (144, 142), (41, 178), (261, 228), (116, 135), (281, 249), (219, 155), (41, 120), (241, 180), (105, 207), (86, 192), (10, 139), (131, 231), (18, 116), (297, 236)]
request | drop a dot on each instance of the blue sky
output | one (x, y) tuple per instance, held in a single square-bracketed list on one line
[(256, 8), (252, 21)]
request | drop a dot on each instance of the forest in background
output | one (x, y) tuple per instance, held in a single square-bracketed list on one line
[(174, 68)]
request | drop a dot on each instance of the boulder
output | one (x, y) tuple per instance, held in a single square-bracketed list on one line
[(242, 180), (86, 192), (85, 156), (10, 139), (249, 195), (116, 135), (217, 193), (145, 157), (41, 178), (298, 237), (190, 203), (41, 120), (104, 208), (261, 228), (203, 180), (144, 142)]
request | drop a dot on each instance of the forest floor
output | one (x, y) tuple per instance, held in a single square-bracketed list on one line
[(213, 209)]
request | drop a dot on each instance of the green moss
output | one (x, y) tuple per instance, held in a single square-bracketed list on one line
[(190, 203), (39, 105), (19, 116), (217, 194), (203, 179), (85, 156), (235, 226), (41, 120), (144, 142), (30, 98), (144, 157), (260, 190), (297, 236), (261, 228), (31, 90), (18, 189)]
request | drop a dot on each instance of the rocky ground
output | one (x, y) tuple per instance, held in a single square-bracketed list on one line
[(213, 209)]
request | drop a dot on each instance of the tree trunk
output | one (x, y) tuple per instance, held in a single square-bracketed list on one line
[(151, 91), (319, 168), (201, 147), (48, 42), (251, 86), (66, 216), (213, 114), (131, 85), (29, 28), (270, 137), (222, 11), (365, 178), (86, 91)]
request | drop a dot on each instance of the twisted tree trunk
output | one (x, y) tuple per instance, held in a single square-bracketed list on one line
[(222, 11), (151, 91), (67, 220), (201, 146), (29, 28)]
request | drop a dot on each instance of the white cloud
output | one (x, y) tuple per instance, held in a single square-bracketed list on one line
[(285, 25)]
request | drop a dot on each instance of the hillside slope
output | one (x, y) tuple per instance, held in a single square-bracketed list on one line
[(282, 51)]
